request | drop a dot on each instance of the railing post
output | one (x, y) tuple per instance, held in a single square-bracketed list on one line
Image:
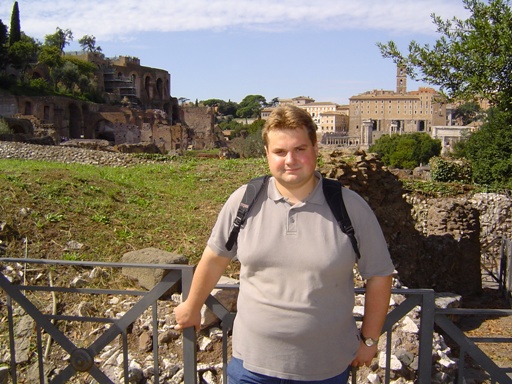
[(508, 282), (428, 308), (189, 335)]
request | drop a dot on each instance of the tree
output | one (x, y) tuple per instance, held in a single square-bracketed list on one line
[(274, 102), (471, 58), (468, 113), (490, 149), (224, 108), (15, 31), (88, 43), (52, 58), (406, 151), (183, 100), (4, 56), (251, 106), (69, 76), (59, 39), (23, 53), (86, 68)]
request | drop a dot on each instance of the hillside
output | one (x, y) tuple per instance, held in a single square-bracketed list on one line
[(91, 212)]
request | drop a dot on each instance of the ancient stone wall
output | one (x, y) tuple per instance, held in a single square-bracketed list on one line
[(495, 215), (434, 243), (200, 120), (8, 105), (74, 119)]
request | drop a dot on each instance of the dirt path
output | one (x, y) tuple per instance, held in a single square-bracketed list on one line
[(475, 326)]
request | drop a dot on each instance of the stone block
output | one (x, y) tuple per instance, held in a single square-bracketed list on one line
[(149, 277), (227, 297)]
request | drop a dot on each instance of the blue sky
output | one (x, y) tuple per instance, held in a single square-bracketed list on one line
[(228, 49)]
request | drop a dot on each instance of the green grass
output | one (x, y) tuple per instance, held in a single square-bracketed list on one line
[(170, 205)]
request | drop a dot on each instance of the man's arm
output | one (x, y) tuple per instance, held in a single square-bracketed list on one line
[(206, 276), (376, 305)]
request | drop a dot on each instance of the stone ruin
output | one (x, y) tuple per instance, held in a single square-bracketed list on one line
[(171, 129), (444, 246)]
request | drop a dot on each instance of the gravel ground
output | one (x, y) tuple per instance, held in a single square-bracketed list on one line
[(17, 150)]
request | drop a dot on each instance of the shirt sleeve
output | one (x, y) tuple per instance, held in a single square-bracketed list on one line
[(375, 258), (224, 224)]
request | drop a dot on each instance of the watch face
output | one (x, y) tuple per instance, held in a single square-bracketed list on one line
[(369, 342)]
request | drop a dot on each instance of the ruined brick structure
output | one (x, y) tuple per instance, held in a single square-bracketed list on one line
[(205, 135), (440, 251), (138, 109)]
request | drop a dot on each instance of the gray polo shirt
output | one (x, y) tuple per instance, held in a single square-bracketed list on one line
[(296, 295)]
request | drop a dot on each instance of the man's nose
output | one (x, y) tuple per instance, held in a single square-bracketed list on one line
[(290, 157)]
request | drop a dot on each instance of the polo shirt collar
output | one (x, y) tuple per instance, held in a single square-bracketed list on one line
[(315, 197)]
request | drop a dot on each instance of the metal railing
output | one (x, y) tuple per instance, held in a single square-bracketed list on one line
[(499, 269), (81, 359)]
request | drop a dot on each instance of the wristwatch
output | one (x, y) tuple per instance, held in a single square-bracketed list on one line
[(368, 341)]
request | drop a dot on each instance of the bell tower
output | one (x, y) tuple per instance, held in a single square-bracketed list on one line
[(401, 79)]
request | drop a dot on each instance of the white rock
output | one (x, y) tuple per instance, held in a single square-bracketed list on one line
[(205, 344), (208, 377), (394, 365), (373, 378), (409, 326), (358, 310)]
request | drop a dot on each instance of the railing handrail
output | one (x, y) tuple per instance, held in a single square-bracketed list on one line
[(425, 298)]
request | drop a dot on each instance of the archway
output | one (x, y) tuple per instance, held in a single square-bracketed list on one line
[(75, 122), (28, 108), (147, 86), (159, 88), (104, 130)]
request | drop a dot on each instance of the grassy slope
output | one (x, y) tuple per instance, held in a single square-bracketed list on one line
[(171, 206)]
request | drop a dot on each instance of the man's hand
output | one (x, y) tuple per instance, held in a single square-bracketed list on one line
[(207, 274), (186, 318), (365, 355)]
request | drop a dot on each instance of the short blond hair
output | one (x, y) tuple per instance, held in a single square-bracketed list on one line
[(289, 117)]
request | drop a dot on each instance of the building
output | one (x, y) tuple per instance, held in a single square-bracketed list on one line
[(333, 122), (298, 101), (328, 116), (399, 111), (124, 81)]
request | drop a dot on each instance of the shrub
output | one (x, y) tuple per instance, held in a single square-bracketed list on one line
[(447, 170), (40, 84), (408, 150), (4, 127), (252, 146)]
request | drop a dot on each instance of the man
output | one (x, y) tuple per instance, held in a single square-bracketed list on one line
[(294, 319)]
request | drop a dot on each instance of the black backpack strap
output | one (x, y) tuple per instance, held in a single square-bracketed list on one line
[(333, 195), (252, 192)]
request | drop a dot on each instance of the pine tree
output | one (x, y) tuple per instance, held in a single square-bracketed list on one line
[(3, 46), (15, 31)]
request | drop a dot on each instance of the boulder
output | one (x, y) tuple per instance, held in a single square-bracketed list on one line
[(149, 277)]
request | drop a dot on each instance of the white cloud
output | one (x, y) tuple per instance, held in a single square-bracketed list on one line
[(110, 20)]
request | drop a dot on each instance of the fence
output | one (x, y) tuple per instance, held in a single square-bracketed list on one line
[(505, 274), (82, 358), (498, 270)]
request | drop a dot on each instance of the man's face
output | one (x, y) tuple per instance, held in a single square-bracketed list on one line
[(291, 157)]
